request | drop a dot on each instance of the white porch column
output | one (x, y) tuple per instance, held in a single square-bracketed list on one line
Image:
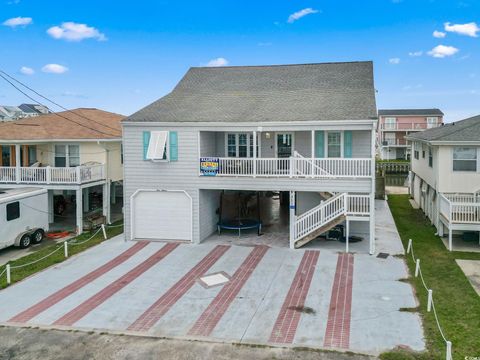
[(106, 201), (347, 234), (372, 195), (113, 192), (79, 210), (254, 154), (292, 216), (51, 214), (313, 144), (86, 199), (17, 163), (450, 245)]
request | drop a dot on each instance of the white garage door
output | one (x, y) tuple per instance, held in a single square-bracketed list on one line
[(162, 215)]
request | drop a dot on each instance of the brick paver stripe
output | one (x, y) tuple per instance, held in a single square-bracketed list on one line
[(151, 316), (287, 321), (61, 294), (88, 305), (337, 334), (219, 305)]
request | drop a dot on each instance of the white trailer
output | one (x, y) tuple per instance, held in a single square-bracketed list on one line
[(23, 216)]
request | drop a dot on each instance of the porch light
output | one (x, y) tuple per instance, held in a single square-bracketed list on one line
[(267, 135)]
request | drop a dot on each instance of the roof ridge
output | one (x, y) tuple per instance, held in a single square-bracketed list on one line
[(282, 65)]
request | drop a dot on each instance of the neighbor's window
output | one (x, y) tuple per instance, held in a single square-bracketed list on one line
[(432, 122), (334, 144), (13, 211), (430, 157), (390, 123), (416, 152), (464, 159), (67, 155)]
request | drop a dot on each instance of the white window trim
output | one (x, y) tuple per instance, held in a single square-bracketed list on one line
[(342, 144), (67, 153), (249, 143), (167, 147), (388, 121), (466, 171)]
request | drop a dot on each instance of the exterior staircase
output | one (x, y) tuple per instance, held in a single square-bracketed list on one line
[(318, 220)]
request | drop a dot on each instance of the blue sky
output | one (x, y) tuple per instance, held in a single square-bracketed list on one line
[(123, 55)]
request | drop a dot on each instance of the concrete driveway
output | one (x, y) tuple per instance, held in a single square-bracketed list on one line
[(319, 299)]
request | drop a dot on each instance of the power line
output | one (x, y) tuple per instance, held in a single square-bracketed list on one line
[(53, 102), (63, 117)]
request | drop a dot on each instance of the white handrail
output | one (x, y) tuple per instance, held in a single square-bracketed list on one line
[(52, 175), (320, 215), (295, 167)]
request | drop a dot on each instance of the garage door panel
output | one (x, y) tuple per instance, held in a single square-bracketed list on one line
[(163, 215)]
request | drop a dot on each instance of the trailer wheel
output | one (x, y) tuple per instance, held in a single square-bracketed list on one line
[(25, 241), (37, 236)]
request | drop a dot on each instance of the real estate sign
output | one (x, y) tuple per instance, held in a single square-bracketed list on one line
[(209, 166)]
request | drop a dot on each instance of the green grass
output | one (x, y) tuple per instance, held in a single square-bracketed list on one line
[(57, 257), (456, 302)]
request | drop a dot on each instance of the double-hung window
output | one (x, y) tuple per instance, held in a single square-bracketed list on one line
[(67, 155), (390, 123), (416, 150), (432, 122), (430, 157), (464, 159), (334, 144), (240, 145)]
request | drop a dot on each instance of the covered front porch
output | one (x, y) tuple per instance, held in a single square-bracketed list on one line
[(39, 164), (299, 154), (282, 218), (460, 215)]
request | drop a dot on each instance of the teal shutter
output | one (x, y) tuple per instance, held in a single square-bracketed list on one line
[(173, 145), (319, 144), (347, 144), (146, 140)]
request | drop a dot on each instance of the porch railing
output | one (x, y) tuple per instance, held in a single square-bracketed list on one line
[(460, 208), (295, 167), (51, 175), (409, 126)]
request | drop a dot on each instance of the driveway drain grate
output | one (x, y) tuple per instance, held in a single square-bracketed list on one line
[(215, 279), (383, 255)]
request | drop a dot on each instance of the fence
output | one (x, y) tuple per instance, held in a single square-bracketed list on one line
[(430, 302), (393, 167), (65, 246)]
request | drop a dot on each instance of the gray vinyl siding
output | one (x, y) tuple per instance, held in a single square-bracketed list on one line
[(184, 175), (209, 203)]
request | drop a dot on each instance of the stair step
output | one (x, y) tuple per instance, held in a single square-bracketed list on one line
[(314, 234)]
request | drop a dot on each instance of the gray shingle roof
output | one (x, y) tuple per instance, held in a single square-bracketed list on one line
[(328, 91), (412, 112), (464, 130)]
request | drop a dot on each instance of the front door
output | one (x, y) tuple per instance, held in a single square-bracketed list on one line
[(284, 145)]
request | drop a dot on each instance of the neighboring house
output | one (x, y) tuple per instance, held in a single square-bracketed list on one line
[(9, 113), (34, 109), (395, 125), (306, 131), (445, 178), (75, 154)]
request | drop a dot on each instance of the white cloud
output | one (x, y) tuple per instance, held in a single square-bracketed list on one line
[(217, 62), (54, 69), (394, 61), (71, 31), (299, 14), (439, 34), (441, 51), (18, 21), (415, 53), (27, 70), (470, 29)]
